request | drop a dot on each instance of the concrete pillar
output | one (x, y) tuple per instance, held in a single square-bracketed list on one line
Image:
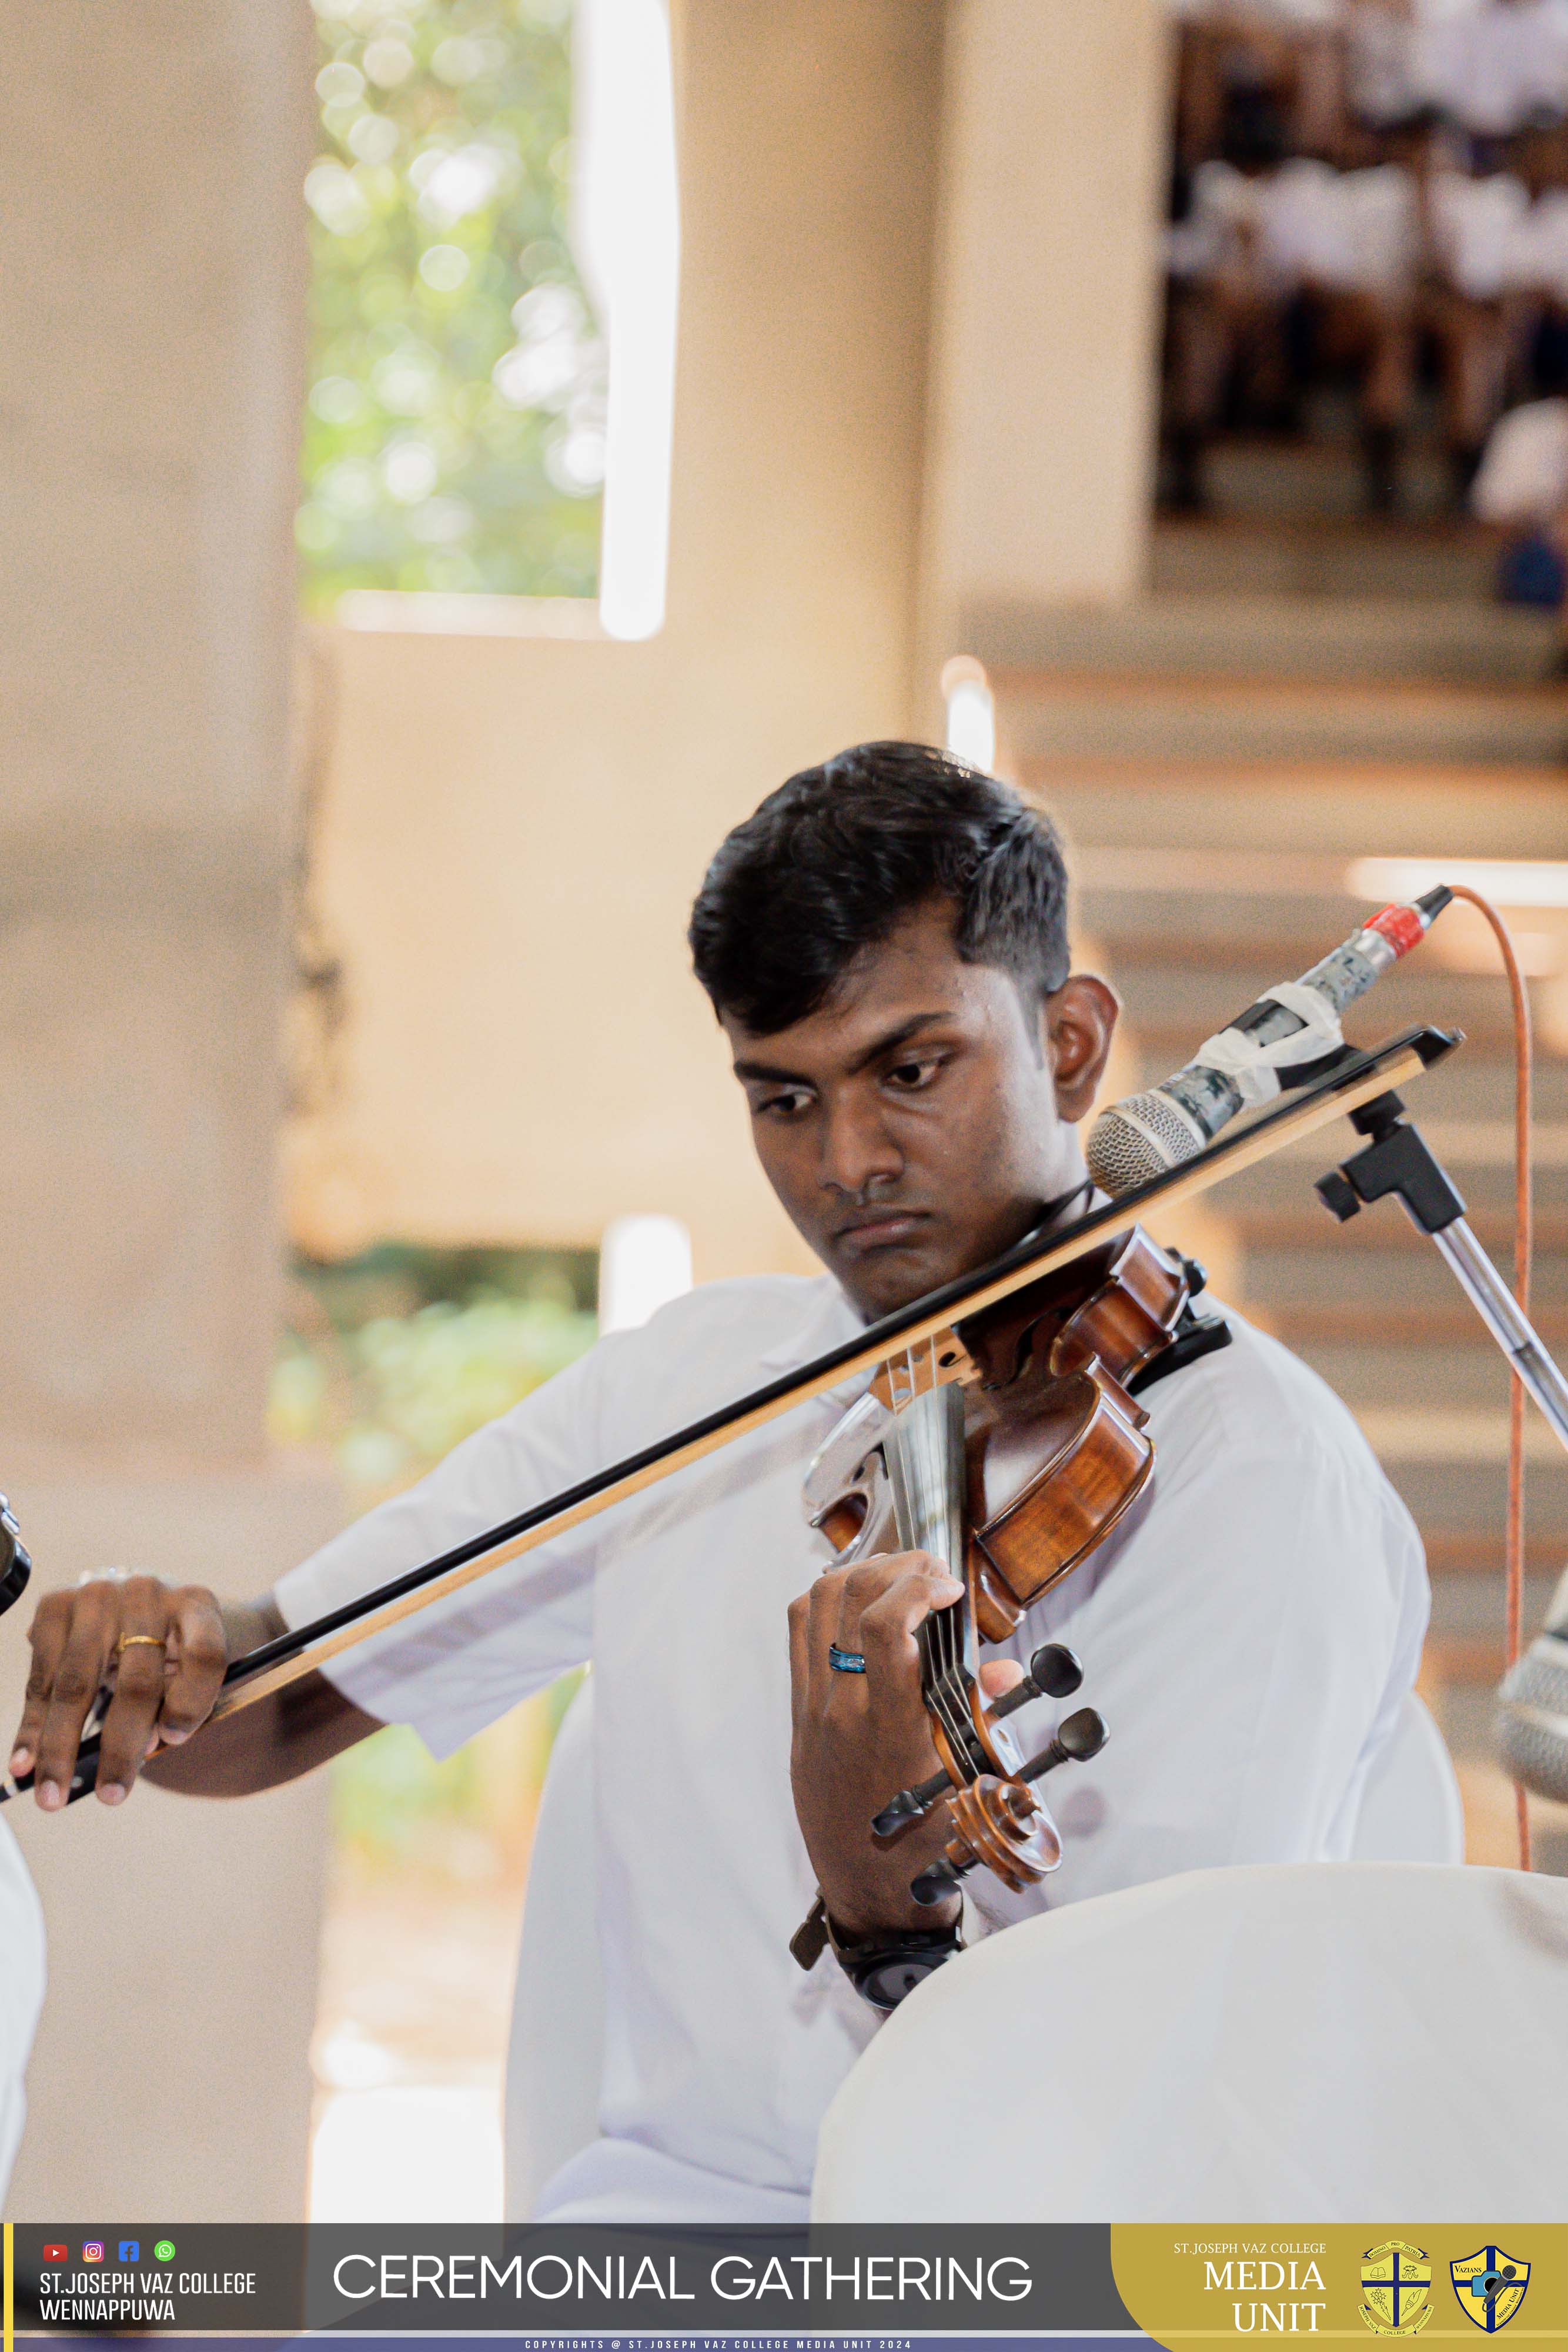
[(151, 330), (1041, 443)]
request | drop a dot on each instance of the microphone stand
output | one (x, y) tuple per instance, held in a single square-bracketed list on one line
[(1398, 1161)]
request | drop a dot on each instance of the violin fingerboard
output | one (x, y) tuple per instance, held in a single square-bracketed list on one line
[(925, 1452)]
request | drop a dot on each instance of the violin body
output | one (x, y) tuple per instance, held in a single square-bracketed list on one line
[(1009, 1447), (1055, 1447)]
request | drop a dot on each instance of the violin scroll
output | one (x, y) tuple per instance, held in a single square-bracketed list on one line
[(1003, 1824), (1000, 1823)]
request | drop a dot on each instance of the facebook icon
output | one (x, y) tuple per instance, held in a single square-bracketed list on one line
[(131, 2250)]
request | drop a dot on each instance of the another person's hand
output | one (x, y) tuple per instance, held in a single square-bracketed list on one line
[(163, 1649), (859, 1738)]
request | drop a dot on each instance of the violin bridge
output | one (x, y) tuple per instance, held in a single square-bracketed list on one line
[(934, 1364)]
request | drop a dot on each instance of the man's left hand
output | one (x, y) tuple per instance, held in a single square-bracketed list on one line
[(859, 1738)]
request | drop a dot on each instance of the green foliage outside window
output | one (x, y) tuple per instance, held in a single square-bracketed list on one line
[(454, 424), (389, 1361)]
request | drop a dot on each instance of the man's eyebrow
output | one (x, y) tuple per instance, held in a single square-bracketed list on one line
[(771, 1074)]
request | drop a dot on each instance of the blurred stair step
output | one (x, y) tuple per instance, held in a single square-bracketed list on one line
[(1327, 556), (1356, 639), (1380, 1281), (1470, 1497), (1301, 478), (1478, 1153), (1073, 715), (1375, 1373), (1481, 1556), (1444, 1323), (1382, 1230), (1277, 829)]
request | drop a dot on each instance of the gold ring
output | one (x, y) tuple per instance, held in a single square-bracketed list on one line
[(128, 1641)]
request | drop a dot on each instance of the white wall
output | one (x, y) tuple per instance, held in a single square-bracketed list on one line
[(1046, 309)]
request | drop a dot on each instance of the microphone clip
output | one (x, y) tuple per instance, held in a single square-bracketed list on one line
[(1398, 1163)]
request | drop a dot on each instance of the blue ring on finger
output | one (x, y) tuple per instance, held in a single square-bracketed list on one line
[(846, 1661)]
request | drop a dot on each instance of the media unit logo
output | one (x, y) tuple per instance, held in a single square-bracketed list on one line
[(55, 2252), (1490, 2286), (1395, 2289)]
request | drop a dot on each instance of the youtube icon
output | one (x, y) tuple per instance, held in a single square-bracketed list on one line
[(56, 2255)]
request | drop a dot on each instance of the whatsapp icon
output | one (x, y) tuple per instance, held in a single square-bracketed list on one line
[(164, 2249)]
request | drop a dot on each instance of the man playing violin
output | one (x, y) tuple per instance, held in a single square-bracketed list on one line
[(885, 946)]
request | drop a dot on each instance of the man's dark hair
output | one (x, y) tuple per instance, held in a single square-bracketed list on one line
[(839, 855)]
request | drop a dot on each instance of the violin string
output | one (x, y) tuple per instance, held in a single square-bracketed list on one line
[(925, 1459), (957, 1616), (950, 1692)]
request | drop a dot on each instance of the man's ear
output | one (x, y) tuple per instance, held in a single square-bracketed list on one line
[(1079, 1021)]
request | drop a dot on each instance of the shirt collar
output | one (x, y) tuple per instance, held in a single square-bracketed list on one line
[(827, 1319)]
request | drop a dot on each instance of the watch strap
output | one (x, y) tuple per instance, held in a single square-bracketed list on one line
[(882, 1968)]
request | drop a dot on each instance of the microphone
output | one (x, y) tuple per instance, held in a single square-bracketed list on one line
[(1287, 1038), (1533, 1707)]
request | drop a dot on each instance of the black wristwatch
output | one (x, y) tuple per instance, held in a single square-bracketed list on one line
[(882, 1967)]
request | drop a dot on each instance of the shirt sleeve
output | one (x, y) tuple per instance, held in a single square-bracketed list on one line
[(454, 1667), (1248, 1635)]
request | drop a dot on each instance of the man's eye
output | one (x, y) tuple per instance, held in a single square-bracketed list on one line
[(788, 1104), (909, 1077)]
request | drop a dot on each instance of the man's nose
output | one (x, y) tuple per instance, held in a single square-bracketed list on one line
[(858, 1149)]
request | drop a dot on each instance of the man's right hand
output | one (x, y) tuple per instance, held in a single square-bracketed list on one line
[(162, 1647)]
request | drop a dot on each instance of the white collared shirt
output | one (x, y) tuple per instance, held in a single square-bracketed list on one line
[(1248, 1633)]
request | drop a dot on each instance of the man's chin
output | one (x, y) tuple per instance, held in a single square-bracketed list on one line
[(882, 1281)]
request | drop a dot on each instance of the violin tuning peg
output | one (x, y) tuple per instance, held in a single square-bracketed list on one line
[(1081, 1736), (893, 1816), (936, 1885), (1056, 1671), (909, 1805)]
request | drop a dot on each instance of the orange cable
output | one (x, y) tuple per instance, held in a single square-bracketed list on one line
[(1523, 1251)]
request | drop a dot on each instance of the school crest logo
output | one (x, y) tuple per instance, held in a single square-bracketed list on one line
[(1395, 2289), (1490, 2286)]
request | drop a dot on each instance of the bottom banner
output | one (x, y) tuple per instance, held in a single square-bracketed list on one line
[(867, 2290)]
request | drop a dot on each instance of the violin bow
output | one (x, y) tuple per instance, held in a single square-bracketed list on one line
[(1357, 1079)]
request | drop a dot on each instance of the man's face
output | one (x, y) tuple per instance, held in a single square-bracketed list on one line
[(914, 1125)]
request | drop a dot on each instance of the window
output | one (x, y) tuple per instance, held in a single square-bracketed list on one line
[(456, 423)]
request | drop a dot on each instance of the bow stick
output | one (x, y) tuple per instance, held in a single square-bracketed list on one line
[(1357, 1079)]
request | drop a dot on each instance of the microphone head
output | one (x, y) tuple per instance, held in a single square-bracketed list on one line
[(1137, 1140), (1532, 1718)]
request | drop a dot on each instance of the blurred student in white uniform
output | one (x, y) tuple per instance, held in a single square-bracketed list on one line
[(1260, 234), (1492, 65), (1473, 305), (1523, 481)]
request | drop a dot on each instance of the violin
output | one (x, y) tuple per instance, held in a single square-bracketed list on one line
[(920, 1345), (1008, 1448)]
